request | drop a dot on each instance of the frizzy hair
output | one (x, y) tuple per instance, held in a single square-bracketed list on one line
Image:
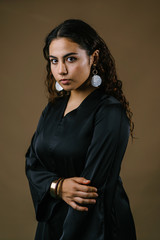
[(87, 38)]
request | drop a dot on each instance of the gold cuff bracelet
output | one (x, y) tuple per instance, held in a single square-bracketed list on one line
[(53, 188)]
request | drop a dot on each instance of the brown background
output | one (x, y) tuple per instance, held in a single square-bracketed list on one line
[(131, 30)]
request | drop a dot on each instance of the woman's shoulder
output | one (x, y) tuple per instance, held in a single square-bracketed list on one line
[(52, 104), (109, 105), (47, 108), (107, 100)]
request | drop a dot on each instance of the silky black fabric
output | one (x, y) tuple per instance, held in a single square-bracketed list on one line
[(89, 141)]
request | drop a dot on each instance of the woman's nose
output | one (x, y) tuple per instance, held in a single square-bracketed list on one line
[(62, 69)]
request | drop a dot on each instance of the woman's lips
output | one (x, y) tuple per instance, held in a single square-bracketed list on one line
[(65, 81)]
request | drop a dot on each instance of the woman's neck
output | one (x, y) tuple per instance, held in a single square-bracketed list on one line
[(80, 95)]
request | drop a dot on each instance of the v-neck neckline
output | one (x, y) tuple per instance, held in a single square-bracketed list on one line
[(80, 106)]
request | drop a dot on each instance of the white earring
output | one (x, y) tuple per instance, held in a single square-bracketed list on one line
[(96, 79), (58, 87)]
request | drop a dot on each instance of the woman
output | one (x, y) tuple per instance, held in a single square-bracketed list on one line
[(74, 159)]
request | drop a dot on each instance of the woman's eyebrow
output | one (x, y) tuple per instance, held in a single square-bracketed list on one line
[(66, 55)]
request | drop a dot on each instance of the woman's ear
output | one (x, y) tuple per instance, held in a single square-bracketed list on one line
[(95, 57)]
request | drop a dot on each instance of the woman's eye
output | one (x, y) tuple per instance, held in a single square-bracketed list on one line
[(53, 61), (71, 59)]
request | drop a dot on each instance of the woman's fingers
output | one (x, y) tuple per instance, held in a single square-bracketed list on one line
[(84, 188), (77, 207), (78, 184), (84, 200), (86, 194), (81, 180)]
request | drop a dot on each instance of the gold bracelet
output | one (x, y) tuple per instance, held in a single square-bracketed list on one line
[(53, 187), (59, 186)]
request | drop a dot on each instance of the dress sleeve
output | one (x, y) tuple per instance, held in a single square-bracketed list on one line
[(102, 167), (111, 130), (40, 178)]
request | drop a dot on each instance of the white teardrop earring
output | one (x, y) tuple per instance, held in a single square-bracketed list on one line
[(96, 79), (58, 87)]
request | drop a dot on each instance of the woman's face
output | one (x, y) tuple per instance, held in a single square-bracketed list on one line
[(70, 64)]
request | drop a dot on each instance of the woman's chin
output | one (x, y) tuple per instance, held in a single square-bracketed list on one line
[(67, 88)]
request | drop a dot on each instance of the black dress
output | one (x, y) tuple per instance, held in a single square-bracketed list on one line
[(90, 142)]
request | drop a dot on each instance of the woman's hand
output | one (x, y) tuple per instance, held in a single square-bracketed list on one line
[(75, 191)]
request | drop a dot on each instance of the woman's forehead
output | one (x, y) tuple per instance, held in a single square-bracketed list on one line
[(62, 46)]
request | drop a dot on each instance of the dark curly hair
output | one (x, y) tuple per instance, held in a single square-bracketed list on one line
[(87, 38)]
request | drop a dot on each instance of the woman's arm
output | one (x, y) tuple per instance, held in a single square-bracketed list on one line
[(40, 178), (110, 138)]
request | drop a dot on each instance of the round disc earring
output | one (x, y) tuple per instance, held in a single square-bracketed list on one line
[(96, 79), (58, 87)]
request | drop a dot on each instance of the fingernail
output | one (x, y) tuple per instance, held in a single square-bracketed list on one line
[(86, 180)]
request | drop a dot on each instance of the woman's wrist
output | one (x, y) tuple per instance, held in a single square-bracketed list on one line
[(55, 188), (59, 187)]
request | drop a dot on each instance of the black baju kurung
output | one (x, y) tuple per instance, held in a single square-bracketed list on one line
[(88, 142)]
